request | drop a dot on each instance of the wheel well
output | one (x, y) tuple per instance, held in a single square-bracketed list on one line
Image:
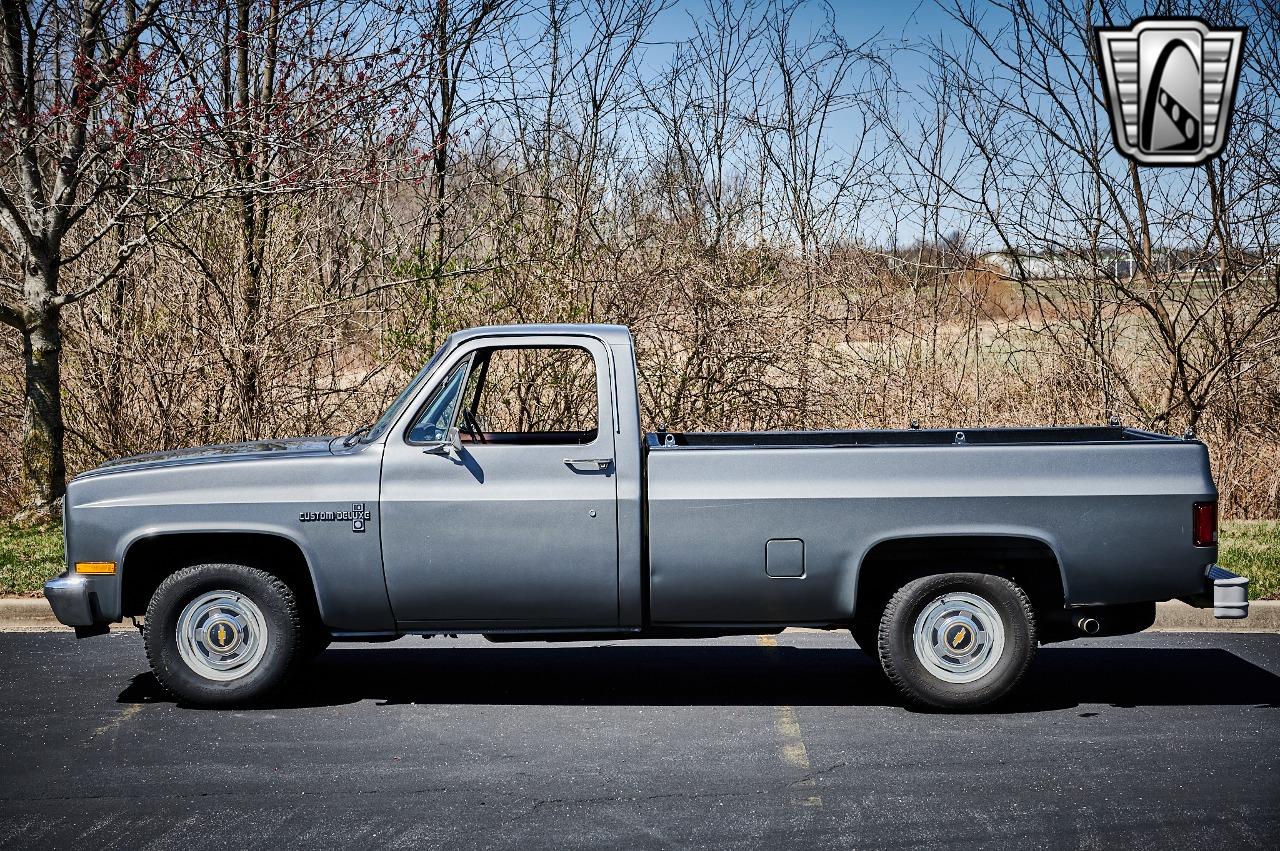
[(1028, 562), (150, 560)]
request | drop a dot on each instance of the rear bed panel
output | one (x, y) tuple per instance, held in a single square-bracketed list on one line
[(1117, 514)]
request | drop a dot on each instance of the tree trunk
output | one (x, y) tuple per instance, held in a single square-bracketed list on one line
[(440, 161), (43, 468), (250, 333)]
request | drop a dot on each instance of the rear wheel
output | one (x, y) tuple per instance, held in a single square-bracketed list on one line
[(220, 634), (957, 640)]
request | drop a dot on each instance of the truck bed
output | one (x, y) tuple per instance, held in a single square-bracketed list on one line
[(1043, 436), (1081, 495)]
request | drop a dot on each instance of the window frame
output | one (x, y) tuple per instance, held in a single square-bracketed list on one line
[(600, 361), (464, 362), (487, 353)]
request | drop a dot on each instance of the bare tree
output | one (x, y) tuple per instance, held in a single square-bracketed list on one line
[(1136, 272), (294, 98), (807, 88), (704, 102), (458, 28), (71, 75)]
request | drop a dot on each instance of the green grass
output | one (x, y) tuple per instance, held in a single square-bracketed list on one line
[(1252, 548), (28, 556), (31, 554)]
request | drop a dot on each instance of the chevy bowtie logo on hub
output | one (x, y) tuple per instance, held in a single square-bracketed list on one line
[(1170, 84), (358, 516), (223, 636), (959, 638)]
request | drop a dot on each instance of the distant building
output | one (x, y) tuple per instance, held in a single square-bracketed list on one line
[(1111, 264), (1036, 267)]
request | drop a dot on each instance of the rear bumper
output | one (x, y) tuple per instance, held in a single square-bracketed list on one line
[(70, 600), (1224, 592)]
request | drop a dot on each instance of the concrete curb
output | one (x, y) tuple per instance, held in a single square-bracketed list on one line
[(1176, 616), (26, 614)]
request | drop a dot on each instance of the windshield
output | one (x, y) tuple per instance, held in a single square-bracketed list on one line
[(393, 410)]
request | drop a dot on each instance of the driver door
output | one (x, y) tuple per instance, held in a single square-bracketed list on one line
[(517, 528)]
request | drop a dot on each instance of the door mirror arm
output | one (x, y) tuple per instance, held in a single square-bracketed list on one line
[(451, 445)]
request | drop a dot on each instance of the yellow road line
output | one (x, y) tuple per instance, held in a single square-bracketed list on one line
[(791, 745), (129, 711)]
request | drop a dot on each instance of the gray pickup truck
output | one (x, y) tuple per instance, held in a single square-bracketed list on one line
[(509, 491)]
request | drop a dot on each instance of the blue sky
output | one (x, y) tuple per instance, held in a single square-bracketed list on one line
[(901, 32), (912, 21), (896, 29)]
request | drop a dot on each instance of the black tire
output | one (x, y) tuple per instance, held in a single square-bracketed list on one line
[(921, 685), (281, 646)]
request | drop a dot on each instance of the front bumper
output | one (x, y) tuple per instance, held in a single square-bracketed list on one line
[(70, 600), (1224, 592)]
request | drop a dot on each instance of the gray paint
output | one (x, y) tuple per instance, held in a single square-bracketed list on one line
[(504, 534), (1118, 517), (261, 491), (502, 537)]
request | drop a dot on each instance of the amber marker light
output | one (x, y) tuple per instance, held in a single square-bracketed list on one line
[(95, 567)]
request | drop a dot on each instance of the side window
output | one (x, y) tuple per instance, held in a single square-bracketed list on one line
[(437, 417), (534, 395)]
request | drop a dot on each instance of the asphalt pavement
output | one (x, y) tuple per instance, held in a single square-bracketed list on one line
[(1158, 741)]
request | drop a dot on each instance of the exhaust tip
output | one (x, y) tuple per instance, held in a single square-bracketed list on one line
[(1089, 626)]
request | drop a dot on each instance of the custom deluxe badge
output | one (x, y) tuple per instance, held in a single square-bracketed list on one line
[(358, 517)]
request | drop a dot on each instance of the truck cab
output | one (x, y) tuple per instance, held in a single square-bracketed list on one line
[(513, 465)]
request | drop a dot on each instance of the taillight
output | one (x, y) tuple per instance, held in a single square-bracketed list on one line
[(1204, 523)]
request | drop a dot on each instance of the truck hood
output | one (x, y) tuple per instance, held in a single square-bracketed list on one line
[(291, 447)]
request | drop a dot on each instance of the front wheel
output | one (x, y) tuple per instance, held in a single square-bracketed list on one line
[(221, 634), (957, 640)]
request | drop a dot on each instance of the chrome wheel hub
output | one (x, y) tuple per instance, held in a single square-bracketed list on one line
[(959, 637), (222, 635)]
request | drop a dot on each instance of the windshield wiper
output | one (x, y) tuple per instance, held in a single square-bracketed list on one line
[(356, 435)]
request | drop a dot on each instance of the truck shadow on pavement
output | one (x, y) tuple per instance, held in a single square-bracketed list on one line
[(683, 675)]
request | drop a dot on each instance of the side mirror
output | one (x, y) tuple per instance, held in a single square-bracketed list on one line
[(452, 443)]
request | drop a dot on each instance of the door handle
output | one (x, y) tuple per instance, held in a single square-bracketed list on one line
[(602, 463)]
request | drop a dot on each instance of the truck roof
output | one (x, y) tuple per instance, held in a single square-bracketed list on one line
[(610, 334)]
